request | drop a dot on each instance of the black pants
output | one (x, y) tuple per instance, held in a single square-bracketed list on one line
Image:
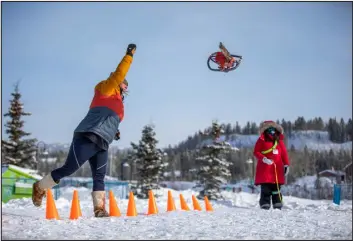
[(81, 150), (268, 192)]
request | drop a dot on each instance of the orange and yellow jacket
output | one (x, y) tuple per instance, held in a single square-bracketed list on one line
[(107, 109)]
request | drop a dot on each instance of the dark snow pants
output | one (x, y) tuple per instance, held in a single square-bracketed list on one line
[(81, 150), (268, 192)]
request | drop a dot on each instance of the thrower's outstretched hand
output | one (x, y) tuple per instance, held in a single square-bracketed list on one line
[(131, 48)]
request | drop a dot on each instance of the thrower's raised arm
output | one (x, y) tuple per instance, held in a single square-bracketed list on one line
[(117, 77)]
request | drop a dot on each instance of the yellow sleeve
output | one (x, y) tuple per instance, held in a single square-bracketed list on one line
[(107, 87)]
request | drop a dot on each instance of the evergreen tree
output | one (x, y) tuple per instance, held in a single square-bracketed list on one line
[(184, 164), (237, 128), (150, 164), (284, 126), (349, 131), (254, 130), (300, 124), (334, 131), (343, 132), (247, 129), (290, 129), (228, 131), (214, 167), (18, 151), (319, 124)]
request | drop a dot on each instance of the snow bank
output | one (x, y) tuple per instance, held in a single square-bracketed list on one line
[(239, 217), (179, 185), (30, 172), (87, 179)]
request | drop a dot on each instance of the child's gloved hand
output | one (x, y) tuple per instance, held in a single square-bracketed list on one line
[(131, 48), (286, 170), (267, 161)]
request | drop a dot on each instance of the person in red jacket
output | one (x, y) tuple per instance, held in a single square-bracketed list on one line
[(272, 164)]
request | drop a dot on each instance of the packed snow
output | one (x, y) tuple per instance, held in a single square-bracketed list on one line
[(239, 217), (86, 179)]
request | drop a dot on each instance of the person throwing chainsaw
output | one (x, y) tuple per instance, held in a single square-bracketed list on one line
[(272, 164), (93, 135)]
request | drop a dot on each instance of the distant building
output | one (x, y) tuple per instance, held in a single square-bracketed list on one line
[(338, 176)]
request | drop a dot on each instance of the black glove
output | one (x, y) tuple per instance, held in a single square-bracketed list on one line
[(130, 48), (117, 136), (286, 170)]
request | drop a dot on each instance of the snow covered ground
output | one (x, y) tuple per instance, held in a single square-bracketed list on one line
[(237, 218)]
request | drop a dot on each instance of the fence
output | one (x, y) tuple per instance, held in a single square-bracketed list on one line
[(22, 187), (325, 192), (120, 188)]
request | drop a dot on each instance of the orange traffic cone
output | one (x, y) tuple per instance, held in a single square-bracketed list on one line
[(196, 204), (152, 205), (170, 204), (79, 210), (131, 207), (75, 207), (51, 211), (208, 205), (183, 204), (113, 206)]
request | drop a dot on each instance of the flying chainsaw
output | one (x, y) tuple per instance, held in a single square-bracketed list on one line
[(223, 61)]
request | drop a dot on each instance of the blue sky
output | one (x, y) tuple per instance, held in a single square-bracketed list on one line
[(297, 61)]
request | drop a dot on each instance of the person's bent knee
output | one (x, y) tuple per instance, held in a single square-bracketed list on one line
[(62, 172), (98, 185)]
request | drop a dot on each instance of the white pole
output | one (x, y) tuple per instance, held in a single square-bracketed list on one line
[(110, 164)]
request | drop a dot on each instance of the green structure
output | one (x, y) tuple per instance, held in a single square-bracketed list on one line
[(16, 182)]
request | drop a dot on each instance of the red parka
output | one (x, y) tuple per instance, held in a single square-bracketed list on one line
[(267, 173), (220, 59)]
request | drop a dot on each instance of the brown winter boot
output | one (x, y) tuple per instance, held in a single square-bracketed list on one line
[(98, 198), (39, 189)]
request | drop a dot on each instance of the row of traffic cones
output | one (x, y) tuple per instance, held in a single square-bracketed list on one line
[(114, 211), (183, 204), (52, 212), (152, 206)]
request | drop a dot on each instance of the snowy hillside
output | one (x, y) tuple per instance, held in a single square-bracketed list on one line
[(314, 140), (237, 218)]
